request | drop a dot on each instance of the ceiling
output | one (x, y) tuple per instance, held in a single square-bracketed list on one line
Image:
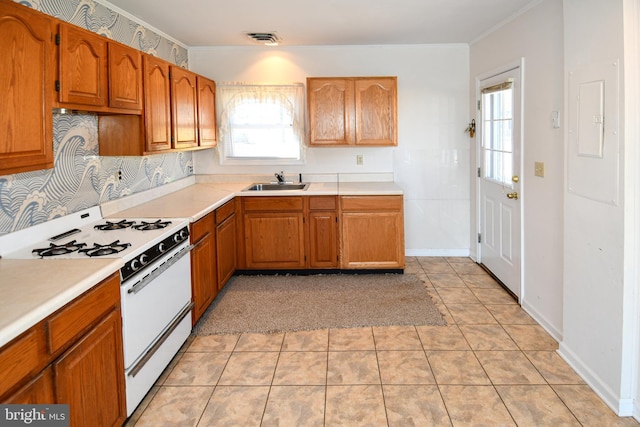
[(323, 22)]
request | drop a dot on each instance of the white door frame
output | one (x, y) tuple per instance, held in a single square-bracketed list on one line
[(517, 64)]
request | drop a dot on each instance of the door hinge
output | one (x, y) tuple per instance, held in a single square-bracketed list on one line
[(57, 39), (479, 238), (57, 84), (479, 103), (172, 141), (479, 172)]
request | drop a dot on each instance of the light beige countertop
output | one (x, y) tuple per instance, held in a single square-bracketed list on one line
[(198, 199), (33, 289)]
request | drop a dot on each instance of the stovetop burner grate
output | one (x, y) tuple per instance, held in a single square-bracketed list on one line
[(109, 225), (104, 250), (55, 250), (155, 225)]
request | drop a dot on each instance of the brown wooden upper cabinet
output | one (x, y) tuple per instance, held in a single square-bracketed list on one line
[(184, 108), (26, 100), (346, 111), (82, 78), (125, 77), (97, 74), (179, 114), (157, 104), (206, 112)]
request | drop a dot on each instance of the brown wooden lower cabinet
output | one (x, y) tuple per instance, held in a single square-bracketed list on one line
[(372, 232), (90, 379), (274, 235), (204, 285), (323, 232), (226, 249), (77, 360), (38, 390)]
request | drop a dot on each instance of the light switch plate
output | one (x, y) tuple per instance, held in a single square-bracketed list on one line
[(539, 169), (359, 159)]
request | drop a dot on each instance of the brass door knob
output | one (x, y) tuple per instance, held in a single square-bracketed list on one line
[(513, 195), (515, 178)]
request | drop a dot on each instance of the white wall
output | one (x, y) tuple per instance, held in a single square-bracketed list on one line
[(600, 334), (536, 35), (432, 157)]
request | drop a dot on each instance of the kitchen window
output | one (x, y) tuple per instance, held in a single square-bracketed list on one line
[(261, 123)]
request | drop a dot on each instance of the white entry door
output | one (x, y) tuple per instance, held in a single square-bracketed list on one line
[(500, 183)]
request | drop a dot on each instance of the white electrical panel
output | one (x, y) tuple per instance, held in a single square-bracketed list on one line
[(594, 145)]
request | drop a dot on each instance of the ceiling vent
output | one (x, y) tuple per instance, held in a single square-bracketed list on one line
[(268, 39)]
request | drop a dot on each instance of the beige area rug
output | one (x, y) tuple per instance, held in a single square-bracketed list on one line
[(281, 303)]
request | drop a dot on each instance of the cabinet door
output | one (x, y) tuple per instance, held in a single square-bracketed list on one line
[(376, 111), (26, 100), (83, 67), (90, 376), (203, 265), (125, 77), (184, 108), (372, 235), (274, 240), (206, 112), (157, 104), (38, 391), (330, 107), (323, 244), (226, 249), (22, 358)]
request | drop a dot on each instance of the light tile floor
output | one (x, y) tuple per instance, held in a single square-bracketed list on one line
[(492, 365)]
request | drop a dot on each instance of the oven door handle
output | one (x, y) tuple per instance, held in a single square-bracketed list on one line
[(159, 270), (149, 354)]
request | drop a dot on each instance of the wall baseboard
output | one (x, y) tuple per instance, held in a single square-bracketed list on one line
[(549, 327), (621, 407), (437, 252)]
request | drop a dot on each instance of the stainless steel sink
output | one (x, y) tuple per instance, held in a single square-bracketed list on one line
[(276, 186)]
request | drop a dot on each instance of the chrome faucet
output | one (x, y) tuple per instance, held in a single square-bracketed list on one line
[(280, 177)]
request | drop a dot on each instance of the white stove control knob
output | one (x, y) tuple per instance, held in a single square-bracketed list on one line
[(135, 265), (144, 259), (162, 247)]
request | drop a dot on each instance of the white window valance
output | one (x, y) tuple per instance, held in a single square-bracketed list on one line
[(261, 123)]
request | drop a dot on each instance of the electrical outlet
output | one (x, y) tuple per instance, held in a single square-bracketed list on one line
[(359, 159), (539, 169)]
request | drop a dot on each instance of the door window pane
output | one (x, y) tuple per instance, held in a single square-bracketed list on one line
[(497, 135)]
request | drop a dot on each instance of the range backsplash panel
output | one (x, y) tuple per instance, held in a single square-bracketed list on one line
[(80, 177)]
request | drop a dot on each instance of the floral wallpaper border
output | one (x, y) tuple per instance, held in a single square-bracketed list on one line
[(81, 178)]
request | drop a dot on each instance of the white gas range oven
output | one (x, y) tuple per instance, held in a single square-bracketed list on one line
[(155, 281)]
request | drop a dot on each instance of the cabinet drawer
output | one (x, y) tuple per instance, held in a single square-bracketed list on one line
[(371, 203), (201, 227), (322, 203), (273, 203), (225, 211), (85, 310), (22, 357)]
